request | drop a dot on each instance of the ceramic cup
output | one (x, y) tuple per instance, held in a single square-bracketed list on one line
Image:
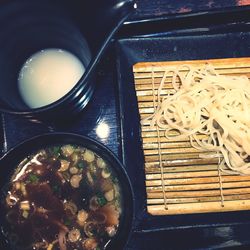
[(27, 27)]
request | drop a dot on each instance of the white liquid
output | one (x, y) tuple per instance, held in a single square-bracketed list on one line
[(47, 76)]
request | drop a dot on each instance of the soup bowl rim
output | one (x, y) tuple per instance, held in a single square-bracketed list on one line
[(127, 216)]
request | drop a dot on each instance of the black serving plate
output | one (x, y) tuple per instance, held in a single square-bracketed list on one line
[(112, 117)]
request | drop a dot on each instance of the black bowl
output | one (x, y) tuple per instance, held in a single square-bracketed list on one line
[(83, 28), (14, 156)]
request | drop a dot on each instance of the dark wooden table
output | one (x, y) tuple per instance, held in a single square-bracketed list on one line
[(156, 8)]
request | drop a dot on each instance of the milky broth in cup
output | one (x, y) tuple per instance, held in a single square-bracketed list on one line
[(47, 76)]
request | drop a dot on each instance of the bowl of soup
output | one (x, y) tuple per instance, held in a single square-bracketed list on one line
[(64, 191)]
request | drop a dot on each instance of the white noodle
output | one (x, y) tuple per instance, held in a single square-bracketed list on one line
[(206, 103)]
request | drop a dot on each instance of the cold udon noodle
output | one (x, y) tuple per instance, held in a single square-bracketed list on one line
[(62, 197), (212, 110)]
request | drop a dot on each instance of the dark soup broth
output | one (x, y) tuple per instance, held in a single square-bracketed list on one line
[(62, 197)]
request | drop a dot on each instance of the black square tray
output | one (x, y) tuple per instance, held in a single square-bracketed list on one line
[(203, 37)]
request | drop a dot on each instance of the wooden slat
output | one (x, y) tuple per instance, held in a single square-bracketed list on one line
[(199, 199), (192, 174), (230, 63), (174, 156), (231, 72), (195, 179), (145, 83), (199, 193), (201, 207), (202, 186), (191, 184), (187, 165)]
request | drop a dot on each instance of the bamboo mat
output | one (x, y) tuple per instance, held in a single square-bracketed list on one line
[(184, 182)]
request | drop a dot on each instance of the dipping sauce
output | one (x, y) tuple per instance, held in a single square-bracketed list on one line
[(62, 197), (47, 76)]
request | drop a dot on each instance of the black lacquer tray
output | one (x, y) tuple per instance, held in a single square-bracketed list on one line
[(112, 117), (225, 35)]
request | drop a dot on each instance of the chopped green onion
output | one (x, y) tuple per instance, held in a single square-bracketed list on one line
[(117, 201), (114, 179), (80, 165), (56, 188), (94, 177), (56, 150), (67, 222), (33, 178), (101, 200)]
